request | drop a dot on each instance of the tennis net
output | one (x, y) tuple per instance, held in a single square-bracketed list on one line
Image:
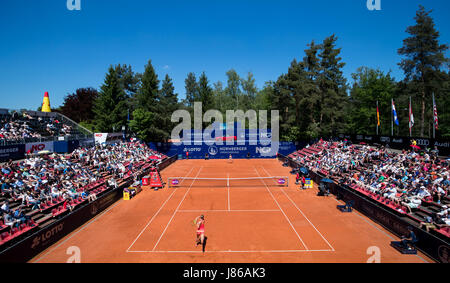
[(278, 181)]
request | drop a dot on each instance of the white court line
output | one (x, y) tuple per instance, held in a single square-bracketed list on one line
[(154, 216), (81, 228), (266, 251), (374, 226), (176, 210), (228, 185), (188, 211), (302, 213), (290, 223)]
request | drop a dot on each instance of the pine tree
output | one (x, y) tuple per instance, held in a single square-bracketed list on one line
[(110, 107), (148, 118), (312, 93), (424, 58), (205, 93), (129, 81), (333, 89), (282, 100), (148, 93), (191, 87), (169, 103)]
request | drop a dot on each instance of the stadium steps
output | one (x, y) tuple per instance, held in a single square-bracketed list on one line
[(422, 214), (417, 218), (48, 220), (429, 209)]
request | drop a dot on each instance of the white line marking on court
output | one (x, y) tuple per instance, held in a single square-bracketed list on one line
[(78, 231), (188, 211), (302, 213), (373, 225), (228, 187), (154, 216), (176, 210), (267, 251), (287, 218)]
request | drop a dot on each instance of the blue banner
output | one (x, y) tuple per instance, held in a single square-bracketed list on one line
[(224, 151), (13, 152)]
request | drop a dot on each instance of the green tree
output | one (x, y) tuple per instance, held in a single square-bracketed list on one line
[(191, 87), (281, 99), (219, 96), (143, 124), (128, 80), (370, 86), (424, 56), (249, 92), (110, 107), (205, 93), (233, 90), (169, 103), (443, 105), (311, 97), (148, 92), (262, 101), (150, 114), (333, 89)]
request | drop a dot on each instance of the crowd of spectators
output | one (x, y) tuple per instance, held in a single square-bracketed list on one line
[(22, 126), (407, 178), (14, 129), (115, 159), (39, 179)]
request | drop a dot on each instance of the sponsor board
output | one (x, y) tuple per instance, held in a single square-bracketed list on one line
[(13, 152), (39, 146), (47, 236), (223, 151)]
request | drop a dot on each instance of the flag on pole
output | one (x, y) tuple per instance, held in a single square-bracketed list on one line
[(435, 114), (394, 112), (411, 116)]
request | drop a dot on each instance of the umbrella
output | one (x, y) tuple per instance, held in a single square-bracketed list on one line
[(44, 152), (154, 157), (362, 143), (415, 146), (304, 170), (326, 180)]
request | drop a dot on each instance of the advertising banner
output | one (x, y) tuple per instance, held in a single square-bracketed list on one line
[(39, 146), (13, 152), (224, 151)]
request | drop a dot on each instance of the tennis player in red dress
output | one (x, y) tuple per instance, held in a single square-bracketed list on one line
[(200, 221)]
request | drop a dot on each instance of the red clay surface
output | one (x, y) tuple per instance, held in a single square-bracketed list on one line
[(259, 224)]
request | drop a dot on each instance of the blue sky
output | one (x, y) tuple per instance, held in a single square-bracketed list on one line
[(46, 47)]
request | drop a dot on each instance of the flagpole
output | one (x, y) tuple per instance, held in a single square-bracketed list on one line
[(434, 118), (392, 117), (377, 117), (410, 111)]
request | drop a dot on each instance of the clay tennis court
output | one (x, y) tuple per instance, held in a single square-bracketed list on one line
[(255, 222)]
